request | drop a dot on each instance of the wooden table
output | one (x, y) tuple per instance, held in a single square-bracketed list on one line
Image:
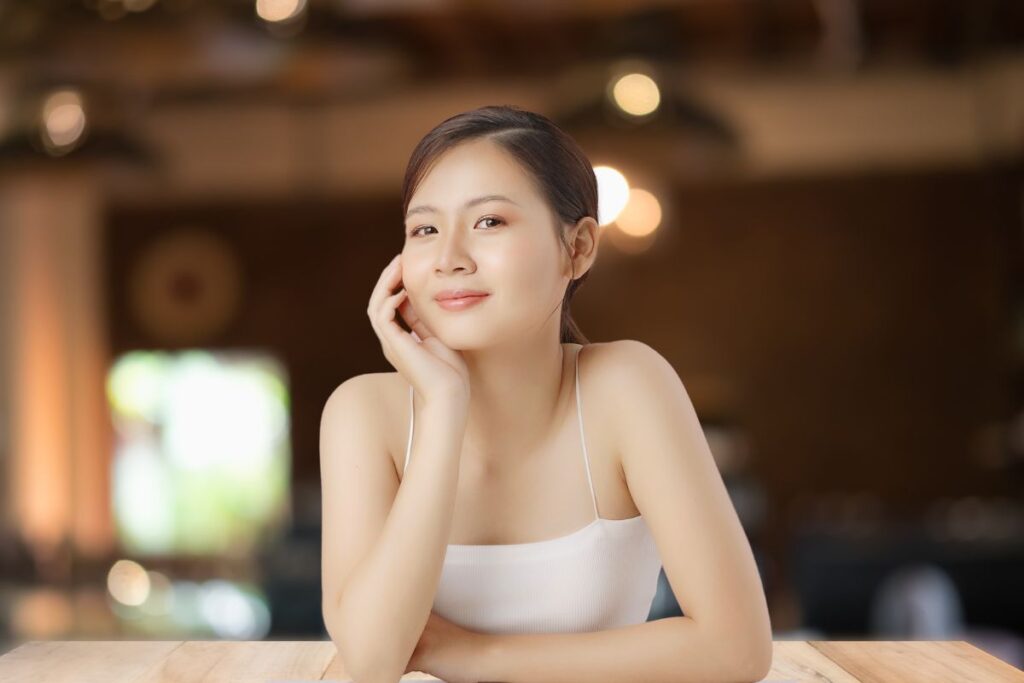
[(209, 661)]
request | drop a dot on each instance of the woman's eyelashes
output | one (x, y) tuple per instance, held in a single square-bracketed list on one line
[(416, 231)]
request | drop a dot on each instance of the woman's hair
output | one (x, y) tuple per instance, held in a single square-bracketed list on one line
[(558, 166)]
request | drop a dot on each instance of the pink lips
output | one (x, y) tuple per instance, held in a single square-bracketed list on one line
[(461, 302)]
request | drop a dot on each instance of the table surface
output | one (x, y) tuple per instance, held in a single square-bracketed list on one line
[(195, 661)]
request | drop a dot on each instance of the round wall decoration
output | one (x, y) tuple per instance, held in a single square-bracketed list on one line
[(186, 287)]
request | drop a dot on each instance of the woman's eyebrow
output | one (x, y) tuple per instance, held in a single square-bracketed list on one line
[(423, 208)]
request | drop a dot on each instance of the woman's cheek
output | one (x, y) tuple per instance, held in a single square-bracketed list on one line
[(520, 260)]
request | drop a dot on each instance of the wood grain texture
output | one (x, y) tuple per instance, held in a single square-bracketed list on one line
[(798, 660), (212, 661), (918, 660), (83, 661), (206, 661)]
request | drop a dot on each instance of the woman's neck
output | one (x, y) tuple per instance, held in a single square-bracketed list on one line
[(516, 397)]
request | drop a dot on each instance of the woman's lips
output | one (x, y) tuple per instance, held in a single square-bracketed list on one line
[(461, 303)]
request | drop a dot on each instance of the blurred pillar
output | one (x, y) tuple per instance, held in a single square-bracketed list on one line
[(58, 472), (6, 289)]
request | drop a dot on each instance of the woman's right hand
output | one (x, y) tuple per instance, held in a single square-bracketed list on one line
[(436, 372)]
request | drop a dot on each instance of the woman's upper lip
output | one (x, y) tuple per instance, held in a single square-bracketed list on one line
[(458, 293)]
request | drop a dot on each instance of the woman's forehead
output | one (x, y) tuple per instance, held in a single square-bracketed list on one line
[(472, 170)]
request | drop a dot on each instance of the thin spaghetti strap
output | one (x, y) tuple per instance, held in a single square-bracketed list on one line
[(412, 423), (583, 440)]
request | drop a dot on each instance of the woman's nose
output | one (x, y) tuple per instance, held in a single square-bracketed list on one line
[(452, 254)]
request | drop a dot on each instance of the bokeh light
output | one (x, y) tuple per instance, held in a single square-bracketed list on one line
[(642, 214), (63, 118), (636, 94), (612, 192)]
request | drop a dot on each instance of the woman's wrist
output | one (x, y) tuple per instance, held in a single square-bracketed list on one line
[(486, 657), (450, 411)]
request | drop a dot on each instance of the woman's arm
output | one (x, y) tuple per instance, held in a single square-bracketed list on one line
[(672, 650), (385, 601), (675, 483)]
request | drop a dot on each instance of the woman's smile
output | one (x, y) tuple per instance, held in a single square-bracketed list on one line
[(462, 302)]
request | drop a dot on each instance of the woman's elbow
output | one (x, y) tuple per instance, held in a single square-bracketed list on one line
[(360, 662), (758, 663), (763, 670), (760, 648), (341, 645), (354, 668), (743, 658)]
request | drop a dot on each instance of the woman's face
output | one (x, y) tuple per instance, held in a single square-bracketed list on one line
[(506, 247)]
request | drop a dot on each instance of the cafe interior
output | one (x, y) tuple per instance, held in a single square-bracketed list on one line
[(813, 209)]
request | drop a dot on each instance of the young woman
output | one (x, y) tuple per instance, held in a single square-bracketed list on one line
[(499, 508)]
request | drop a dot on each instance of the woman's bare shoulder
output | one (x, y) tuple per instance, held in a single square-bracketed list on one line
[(603, 366), (374, 394), (367, 387), (377, 398), (601, 362), (390, 386), (391, 399)]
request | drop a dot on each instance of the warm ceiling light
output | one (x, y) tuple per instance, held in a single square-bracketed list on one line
[(279, 10), (612, 193), (63, 117), (636, 94), (641, 215)]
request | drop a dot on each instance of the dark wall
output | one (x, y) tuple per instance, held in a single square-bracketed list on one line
[(864, 323)]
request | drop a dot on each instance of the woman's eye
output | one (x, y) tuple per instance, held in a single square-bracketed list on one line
[(485, 218)]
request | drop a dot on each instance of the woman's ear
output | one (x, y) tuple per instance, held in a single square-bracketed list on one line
[(584, 237)]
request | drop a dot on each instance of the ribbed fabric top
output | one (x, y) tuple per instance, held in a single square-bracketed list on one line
[(601, 576)]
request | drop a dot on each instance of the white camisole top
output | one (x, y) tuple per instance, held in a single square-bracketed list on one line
[(601, 576)]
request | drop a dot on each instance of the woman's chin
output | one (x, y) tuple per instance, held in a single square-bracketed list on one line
[(458, 338)]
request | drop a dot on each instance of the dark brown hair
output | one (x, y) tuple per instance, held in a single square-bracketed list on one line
[(558, 166)]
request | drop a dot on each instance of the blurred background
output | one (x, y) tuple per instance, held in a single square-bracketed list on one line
[(813, 209)]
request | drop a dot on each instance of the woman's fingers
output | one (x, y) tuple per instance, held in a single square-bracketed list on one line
[(388, 323), (413, 320), (381, 310), (381, 288)]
